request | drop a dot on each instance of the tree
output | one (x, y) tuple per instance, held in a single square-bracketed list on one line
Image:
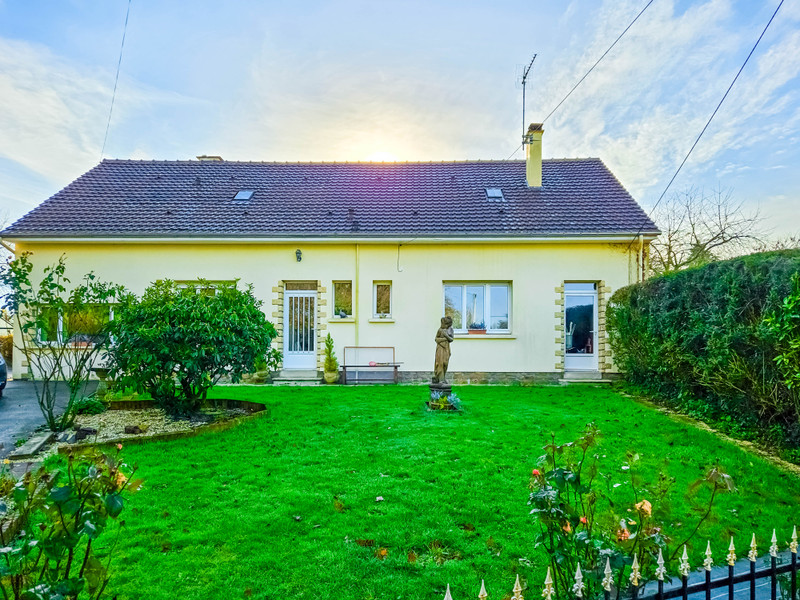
[(699, 227), (178, 341), (62, 330)]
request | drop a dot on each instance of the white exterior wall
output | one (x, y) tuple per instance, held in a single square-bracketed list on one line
[(416, 269)]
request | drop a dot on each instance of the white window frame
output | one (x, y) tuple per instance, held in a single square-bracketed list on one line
[(487, 303), (352, 300), (375, 313)]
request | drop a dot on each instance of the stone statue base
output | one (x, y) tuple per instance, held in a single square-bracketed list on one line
[(440, 389)]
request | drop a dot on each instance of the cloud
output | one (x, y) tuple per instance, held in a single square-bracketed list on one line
[(643, 107), (53, 113)]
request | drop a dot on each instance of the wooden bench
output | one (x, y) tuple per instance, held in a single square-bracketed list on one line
[(369, 364)]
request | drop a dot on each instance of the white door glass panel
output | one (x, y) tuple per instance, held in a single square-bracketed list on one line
[(580, 327), (299, 336)]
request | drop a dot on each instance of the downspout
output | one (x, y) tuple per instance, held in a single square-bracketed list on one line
[(641, 258), (8, 247), (357, 298)]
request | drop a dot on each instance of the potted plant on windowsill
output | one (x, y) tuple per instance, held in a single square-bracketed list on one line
[(477, 328), (331, 366)]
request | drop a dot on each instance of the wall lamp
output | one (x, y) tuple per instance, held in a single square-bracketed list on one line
[(298, 254)]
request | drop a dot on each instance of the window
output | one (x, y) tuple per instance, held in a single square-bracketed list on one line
[(343, 299), (85, 325), (50, 327), (494, 194), (243, 195), (478, 306), (382, 294), (80, 326)]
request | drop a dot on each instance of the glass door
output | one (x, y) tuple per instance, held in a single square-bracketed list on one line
[(299, 333), (580, 327)]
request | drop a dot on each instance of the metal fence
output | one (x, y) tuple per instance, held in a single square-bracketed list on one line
[(738, 580)]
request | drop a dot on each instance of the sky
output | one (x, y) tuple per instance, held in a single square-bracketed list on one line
[(405, 80)]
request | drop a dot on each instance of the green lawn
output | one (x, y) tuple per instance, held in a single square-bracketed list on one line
[(273, 508)]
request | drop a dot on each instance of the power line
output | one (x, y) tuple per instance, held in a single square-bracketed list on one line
[(116, 80), (580, 81), (685, 158)]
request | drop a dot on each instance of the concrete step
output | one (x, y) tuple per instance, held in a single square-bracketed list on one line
[(33, 445), (297, 377)]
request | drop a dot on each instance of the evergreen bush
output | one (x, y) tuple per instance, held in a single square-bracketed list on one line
[(702, 340)]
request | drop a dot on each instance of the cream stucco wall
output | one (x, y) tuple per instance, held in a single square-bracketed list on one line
[(416, 269)]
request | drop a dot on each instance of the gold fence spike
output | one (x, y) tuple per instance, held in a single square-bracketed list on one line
[(684, 567), (635, 572), (548, 591), (577, 589), (708, 562), (608, 578), (731, 557), (661, 571), (482, 594), (773, 546), (447, 595), (753, 554), (793, 543)]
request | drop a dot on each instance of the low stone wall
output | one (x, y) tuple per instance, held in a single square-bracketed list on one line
[(469, 377)]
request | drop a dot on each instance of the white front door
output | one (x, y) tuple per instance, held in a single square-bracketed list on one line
[(580, 327), (299, 329)]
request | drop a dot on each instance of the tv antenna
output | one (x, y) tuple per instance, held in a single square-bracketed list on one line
[(524, 82)]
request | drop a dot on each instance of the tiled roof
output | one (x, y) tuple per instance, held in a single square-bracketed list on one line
[(132, 198)]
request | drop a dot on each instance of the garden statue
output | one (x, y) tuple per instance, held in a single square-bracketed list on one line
[(443, 338)]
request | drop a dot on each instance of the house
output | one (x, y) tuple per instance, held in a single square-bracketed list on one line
[(522, 254)]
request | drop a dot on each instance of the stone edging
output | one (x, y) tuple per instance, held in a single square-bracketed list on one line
[(174, 435), (703, 426)]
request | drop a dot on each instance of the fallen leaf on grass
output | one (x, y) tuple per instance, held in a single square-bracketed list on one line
[(365, 543), (381, 553), (412, 556), (338, 505)]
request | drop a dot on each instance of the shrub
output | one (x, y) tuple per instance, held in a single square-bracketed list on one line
[(785, 326), (7, 348), (89, 405), (584, 519), (63, 330), (331, 364), (178, 341), (61, 515), (701, 340)]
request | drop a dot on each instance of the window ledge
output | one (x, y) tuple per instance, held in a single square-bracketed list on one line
[(379, 320), (485, 336), (342, 320)]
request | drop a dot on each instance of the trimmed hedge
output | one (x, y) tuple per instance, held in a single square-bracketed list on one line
[(697, 340)]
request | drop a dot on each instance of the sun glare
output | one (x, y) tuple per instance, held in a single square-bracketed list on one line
[(382, 157)]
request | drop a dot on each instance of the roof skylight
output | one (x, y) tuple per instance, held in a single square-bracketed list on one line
[(243, 195), (494, 194)]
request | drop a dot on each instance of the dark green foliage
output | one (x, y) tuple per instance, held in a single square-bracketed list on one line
[(785, 325), (61, 514), (178, 341), (89, 405), (700, 339)]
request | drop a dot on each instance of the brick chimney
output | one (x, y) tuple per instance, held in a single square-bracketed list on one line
[(533, 155)]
